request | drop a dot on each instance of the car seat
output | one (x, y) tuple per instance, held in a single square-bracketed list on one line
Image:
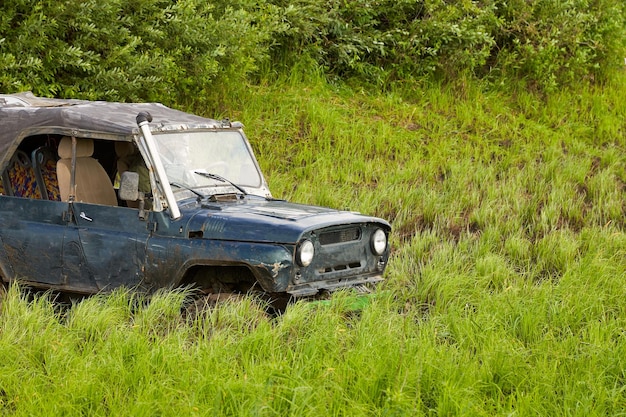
[(93, 184)]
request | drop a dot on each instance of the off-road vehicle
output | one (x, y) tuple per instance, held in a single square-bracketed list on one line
[(97, 195)]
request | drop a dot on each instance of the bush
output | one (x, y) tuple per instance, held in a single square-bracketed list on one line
[(556, 42), (118, 50), (186, 52), (546, 42)]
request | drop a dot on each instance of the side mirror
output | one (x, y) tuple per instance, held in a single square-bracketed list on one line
[(129, 186)]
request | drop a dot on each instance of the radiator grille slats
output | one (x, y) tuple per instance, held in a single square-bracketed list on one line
[(340, 236)]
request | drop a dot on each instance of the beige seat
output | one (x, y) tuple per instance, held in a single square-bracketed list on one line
[(93, 184)]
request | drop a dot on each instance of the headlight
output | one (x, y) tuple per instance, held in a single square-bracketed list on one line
[(379, 242), (304, 253)]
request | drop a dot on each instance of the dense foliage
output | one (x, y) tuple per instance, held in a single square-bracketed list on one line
[(541, 41), (115, 49), (180, 52)]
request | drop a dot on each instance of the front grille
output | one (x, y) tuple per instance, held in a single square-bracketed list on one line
[(340, 236)]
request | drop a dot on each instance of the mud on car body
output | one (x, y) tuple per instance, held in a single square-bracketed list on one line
[(98, 195)]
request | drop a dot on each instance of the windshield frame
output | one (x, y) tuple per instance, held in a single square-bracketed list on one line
[(203, 184)]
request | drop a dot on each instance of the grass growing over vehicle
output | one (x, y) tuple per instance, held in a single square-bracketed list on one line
[(504, 295)]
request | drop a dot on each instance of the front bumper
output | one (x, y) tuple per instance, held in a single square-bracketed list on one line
[(312, 288)]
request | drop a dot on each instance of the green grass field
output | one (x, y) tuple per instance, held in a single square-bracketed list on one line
[(505, 294)]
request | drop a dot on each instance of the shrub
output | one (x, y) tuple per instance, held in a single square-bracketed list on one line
[(118, 50), (190, 51), (546, 42), (556, 42)]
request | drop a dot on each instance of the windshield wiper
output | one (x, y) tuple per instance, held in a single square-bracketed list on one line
[(199, 194), (221, 179)]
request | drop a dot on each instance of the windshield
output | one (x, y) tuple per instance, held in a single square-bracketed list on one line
[(188, 156)]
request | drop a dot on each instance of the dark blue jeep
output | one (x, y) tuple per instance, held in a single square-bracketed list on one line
[(98, 195)]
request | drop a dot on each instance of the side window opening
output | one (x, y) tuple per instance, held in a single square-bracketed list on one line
[(40, 169), (35, 170)]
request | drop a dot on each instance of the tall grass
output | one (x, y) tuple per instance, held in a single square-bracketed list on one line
[(505, 293)]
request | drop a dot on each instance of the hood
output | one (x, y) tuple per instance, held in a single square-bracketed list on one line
[(256, 219)]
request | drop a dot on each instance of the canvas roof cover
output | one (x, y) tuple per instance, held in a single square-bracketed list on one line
[(44, 115)]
